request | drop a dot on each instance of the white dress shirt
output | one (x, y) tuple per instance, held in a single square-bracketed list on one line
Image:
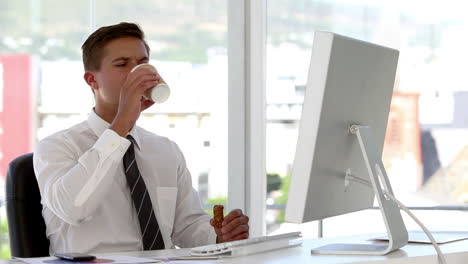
[(87, 206)]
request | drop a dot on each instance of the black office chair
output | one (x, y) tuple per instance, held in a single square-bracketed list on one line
[(24, 210)]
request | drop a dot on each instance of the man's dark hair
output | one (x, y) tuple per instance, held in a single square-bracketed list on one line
[(94, 45)]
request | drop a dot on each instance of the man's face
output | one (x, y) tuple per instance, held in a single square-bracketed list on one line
[(119, 57)]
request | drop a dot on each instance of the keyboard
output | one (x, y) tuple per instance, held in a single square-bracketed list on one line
[(249, 246)]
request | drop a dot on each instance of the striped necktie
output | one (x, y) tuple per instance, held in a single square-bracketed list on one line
[(150, 232)]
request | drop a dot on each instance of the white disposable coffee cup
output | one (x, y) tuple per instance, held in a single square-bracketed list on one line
[(158, 94)]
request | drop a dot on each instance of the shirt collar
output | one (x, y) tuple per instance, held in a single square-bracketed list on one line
[(99, 125)]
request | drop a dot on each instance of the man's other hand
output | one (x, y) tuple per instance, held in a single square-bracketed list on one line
[(235, 227)]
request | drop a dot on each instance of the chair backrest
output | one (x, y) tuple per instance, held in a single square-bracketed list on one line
[(24, 210)]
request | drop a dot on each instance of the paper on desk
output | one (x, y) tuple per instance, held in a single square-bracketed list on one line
[(99, 259), (440, 237)]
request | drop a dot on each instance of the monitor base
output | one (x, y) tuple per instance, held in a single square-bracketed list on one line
[(395, 227), (352, 249)]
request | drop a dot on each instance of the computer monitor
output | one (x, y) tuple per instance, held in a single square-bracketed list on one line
[(338, 166)]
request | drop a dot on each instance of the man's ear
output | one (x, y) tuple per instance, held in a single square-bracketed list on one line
[(91, 80)]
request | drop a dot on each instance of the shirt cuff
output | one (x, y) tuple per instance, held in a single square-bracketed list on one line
[(110, 141)]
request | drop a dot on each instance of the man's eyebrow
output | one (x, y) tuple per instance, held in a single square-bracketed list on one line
[(127, 58), (144, 59), (120, 58)]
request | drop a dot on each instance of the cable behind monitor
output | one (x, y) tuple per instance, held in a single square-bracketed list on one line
[(440, 255)]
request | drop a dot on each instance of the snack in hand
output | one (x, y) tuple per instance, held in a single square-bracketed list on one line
[(218, 215)]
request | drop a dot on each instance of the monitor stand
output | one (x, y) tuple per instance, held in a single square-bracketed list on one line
[(396, 230)]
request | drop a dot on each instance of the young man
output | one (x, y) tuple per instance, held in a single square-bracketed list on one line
[(108, 185)]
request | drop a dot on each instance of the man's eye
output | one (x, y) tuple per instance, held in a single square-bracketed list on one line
[(120, 65)]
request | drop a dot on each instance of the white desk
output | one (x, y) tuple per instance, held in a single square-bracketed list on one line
[(455, 252)]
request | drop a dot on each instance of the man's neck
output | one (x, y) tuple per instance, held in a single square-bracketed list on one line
[(106, 113)]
